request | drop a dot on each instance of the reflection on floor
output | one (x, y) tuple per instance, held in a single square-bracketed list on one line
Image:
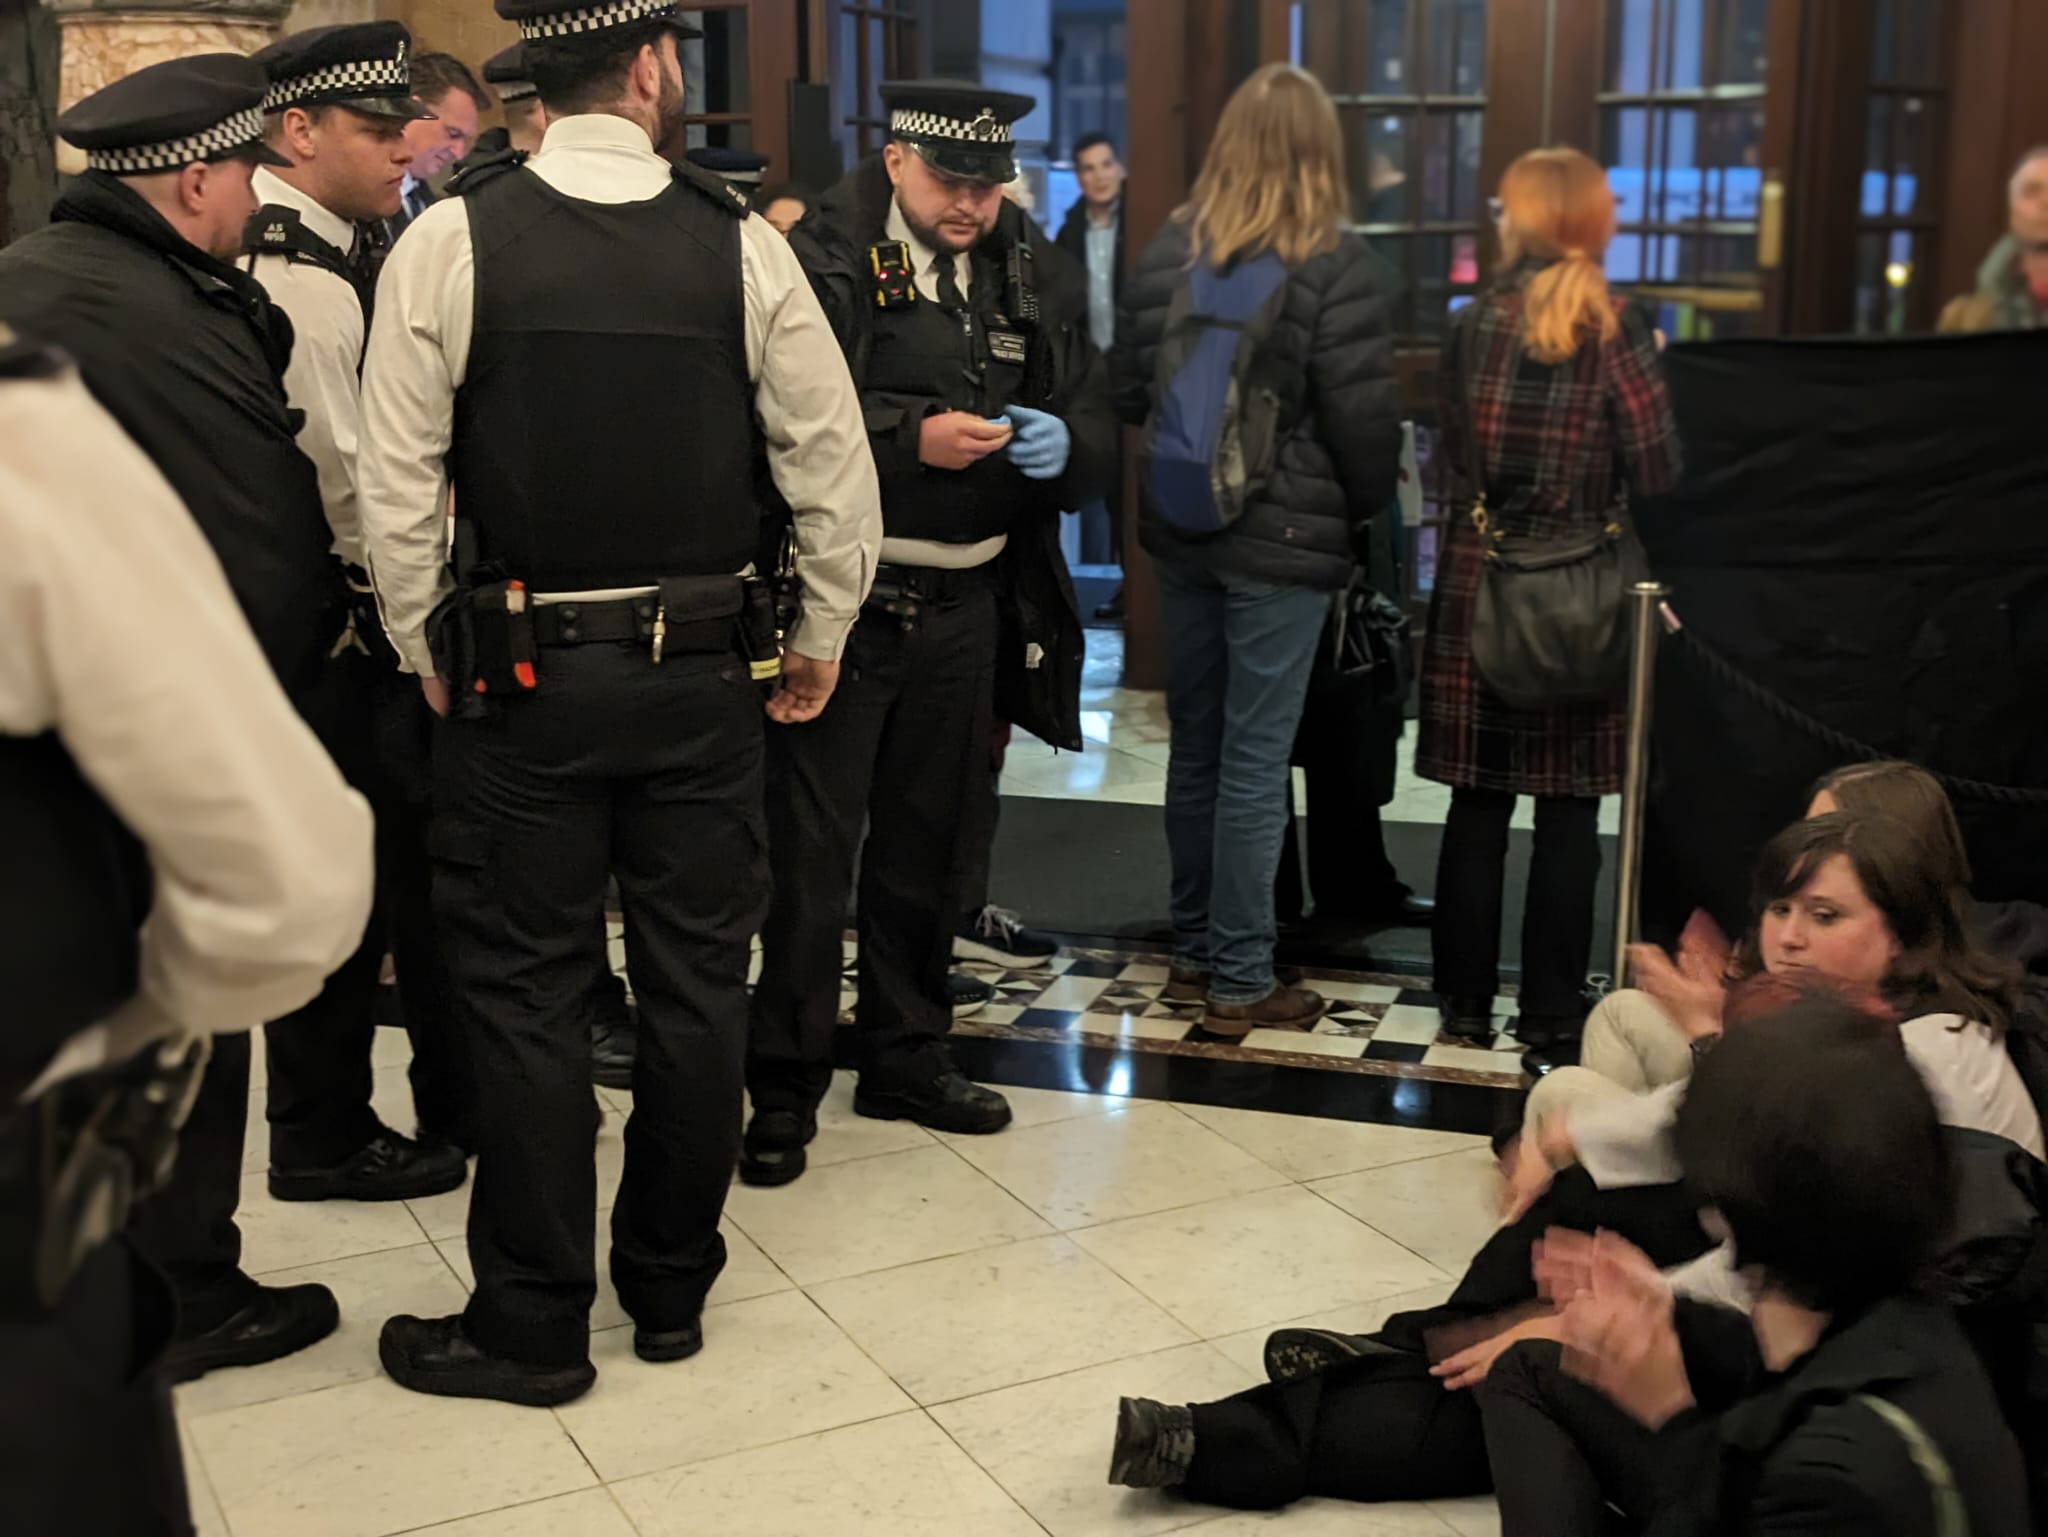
[(1125, 759), (924, 1337)]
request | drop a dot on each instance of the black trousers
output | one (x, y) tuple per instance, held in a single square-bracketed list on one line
[(902, 748), (88, 1438), (653, 774), (187, 1229), (1557, 919), (978, 824), (1566, 1462)]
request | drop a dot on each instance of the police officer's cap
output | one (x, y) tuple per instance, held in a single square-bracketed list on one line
[(735, 165), (365, 66), (170, 115), (506, 69), (554, 23), (960, 127)]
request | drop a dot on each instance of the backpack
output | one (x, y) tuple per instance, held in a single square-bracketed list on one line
[(1214, 434)]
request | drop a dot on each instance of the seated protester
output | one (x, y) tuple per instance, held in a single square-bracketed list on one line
[(1855, 900), (1633, 1039), (1860, 900), (1846, 1404)]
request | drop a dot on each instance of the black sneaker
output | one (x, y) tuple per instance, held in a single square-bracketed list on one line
[(772, 1151), (1155, 1444), (659, 1345), (969, 995), (389, 1168), (996, 935), (277, 1322), (435, 1355), (946, 1103), (1292, 1354)]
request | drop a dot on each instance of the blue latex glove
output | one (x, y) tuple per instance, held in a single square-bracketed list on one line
[(1041, 444)]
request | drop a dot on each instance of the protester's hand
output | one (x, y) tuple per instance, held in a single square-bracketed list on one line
[(1042, 444), (436, 694), (1468, 1368), (1562, 1263), (952, 440), (803, 690), (1693, 989), (1619, 1338)]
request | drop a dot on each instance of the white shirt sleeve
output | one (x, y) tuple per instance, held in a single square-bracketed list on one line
[(1628, 1142), (124, 639), (418, 356), (322, 381), (1971, 1078), (817, 440)]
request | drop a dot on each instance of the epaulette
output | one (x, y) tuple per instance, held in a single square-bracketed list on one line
[(275, 230), (21, 358), (715, 187), (478, 169)]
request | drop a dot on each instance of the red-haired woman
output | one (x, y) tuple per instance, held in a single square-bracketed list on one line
[(1551, 395)]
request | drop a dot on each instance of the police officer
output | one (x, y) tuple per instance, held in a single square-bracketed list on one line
[(338, 104), (987, 416), (133, 278), (594, 385), (741, 168), (505, 72), (148, 764)]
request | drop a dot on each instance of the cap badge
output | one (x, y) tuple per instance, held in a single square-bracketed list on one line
[(984, 127)]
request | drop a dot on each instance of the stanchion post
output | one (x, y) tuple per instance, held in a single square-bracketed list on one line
[(1645, 599)]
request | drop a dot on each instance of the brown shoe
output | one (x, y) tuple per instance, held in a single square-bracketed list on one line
[(1287, 1008), (1186, 985)]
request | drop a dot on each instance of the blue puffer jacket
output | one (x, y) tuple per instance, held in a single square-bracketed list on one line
[(1338, 458)]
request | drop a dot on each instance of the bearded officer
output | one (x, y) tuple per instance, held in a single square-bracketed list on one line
[(586, 345), (987, 415)]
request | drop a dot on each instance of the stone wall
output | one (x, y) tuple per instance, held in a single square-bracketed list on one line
[(29, 63)]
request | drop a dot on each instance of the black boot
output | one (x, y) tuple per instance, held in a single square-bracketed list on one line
[(772, 1152), (435, 1355), (1295, 1353), (614, 1035), (1155, 1444), (389, 1167), (945, 1103), (278, 1321), (1466, 1019)]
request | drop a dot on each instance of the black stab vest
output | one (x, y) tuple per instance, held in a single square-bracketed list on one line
[(604, 429), (926, 351)]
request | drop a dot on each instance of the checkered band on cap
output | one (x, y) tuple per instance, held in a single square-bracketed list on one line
[(516, 90), (335, 82), (935, 125), (143, 159), (593, 18)]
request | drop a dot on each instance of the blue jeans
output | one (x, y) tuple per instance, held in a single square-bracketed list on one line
[(1238, 654)]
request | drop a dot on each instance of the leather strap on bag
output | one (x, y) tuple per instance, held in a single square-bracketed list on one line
[(1951, 1517)]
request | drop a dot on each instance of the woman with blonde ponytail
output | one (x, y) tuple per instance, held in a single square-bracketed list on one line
[(1551, 399)]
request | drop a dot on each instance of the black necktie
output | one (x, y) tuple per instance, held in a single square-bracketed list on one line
[(949, 287)]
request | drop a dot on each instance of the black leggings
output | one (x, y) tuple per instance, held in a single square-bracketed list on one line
[(1566, 1462), (1557, 918)]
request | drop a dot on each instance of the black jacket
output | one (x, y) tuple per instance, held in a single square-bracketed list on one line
[(188, 355), (1038, 677), (1340, 455), (1797, 1453), (1073, 241)]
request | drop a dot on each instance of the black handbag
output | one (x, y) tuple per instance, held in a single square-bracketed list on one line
[(1550, 625)]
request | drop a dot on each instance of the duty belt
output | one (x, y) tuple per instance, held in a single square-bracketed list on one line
[(625, 619), (933, 584)]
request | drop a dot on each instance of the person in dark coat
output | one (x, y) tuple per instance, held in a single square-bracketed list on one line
[(1244, 605), (1092, 238), (1550, 395), (1846, 1405)]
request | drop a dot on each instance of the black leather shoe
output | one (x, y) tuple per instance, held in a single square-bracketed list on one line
[(946, 1103), (389, 1168), (1466, 1019), (277, 1322), (1113, 609), (772, 1152), (668, 1344), (434, 1355), (1549, 1032), (614, 1040), (1396, 910), (1295, 1353), (1546, 1056), (1155, 1444)]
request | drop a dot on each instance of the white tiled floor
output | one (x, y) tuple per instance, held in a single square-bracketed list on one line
[(1125, 760), (924, 1335)]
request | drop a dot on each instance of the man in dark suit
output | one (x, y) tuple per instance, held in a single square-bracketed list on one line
[(1093, 235), (452, 93)]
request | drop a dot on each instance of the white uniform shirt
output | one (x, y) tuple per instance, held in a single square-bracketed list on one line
[(924, 261), (327, 350), (419, 354), (122, 636)]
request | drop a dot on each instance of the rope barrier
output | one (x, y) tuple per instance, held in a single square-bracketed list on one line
[(1847, 747)]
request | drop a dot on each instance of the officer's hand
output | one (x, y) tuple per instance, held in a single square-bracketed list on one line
[(436, 693), (953, 440), (805, 688), (1042, 443)]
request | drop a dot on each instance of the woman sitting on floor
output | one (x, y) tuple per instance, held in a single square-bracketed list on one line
[(1859, 901), (1845, 1404)]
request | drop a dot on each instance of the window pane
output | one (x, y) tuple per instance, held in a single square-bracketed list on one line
[(1455, 48), (1884, 57), (1731, 162), (1681, 52), (1920, 51), (1387, 24), (1629, 45), (715, 65), (1911, 151), (1743, 43), (1357, 49), (1380, 154), (1450, 167)]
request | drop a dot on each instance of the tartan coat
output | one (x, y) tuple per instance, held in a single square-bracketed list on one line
[(1561, 447)]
